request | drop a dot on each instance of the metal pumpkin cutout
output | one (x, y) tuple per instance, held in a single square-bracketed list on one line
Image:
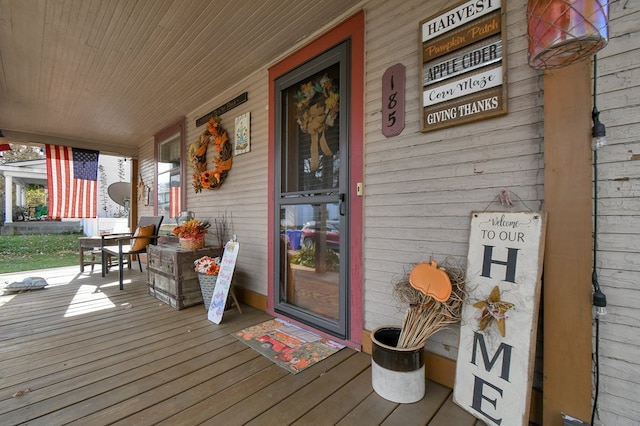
[(431, 280)]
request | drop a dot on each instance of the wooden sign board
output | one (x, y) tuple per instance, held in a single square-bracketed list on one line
[(228, 106), (499, 321), (464, 70), (223, 283)]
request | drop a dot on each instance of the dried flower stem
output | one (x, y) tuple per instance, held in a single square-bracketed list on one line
[(221, 226)]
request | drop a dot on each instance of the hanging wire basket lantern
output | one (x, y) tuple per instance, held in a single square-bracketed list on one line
[(562, 32)]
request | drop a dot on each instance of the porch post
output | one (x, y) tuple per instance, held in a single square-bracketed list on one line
[(8, 202), (567, 265)]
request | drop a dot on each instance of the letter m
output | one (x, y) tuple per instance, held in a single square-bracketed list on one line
[(504, 349)]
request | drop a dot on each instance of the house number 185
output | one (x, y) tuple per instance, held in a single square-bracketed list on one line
[(393, 87)]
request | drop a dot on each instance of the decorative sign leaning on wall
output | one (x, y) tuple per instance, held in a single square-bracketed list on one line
[(464, 70), (223, 283), (499, 320)]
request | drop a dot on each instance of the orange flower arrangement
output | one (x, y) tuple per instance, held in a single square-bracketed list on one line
[(193, 229), (207, 265), (222, 160)]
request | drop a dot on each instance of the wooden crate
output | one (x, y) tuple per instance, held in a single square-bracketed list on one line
[(171, 277)]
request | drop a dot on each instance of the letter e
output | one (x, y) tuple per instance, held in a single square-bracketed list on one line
[(479, 396)]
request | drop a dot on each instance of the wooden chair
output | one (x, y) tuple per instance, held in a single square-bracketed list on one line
[(145, 234)]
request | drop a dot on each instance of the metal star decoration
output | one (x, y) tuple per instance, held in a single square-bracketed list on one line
[(493, 309)]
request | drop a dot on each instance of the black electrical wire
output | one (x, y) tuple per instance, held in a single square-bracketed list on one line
[(595, 114), (596, 372), (594, 275)]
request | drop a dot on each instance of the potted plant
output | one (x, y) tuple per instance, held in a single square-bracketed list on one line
[(192, 233), (207, 269), (435, 296)]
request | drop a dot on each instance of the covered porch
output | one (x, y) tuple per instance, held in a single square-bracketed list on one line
[(81, 351)]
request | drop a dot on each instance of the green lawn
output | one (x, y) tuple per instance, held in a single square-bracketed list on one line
[(27, 252)]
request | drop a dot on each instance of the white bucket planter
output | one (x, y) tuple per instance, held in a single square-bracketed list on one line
[(397, 374)]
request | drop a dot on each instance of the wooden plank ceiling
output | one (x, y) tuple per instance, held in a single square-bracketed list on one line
[(117, 71)]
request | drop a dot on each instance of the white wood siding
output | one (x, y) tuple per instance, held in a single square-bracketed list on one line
[(618, 258), (243, 195), (420, 188)]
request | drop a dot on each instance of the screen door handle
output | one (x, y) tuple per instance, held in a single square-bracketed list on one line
[(342, 206)]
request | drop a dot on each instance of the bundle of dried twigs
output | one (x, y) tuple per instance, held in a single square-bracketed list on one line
[(425, 315), (221, 230)]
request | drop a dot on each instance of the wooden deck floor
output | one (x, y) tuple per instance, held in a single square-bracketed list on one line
[(83, 352)]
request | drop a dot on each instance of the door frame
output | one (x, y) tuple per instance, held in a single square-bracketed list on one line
[(351, 29)]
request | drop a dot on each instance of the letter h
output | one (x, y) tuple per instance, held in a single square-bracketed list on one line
[(512, 257)]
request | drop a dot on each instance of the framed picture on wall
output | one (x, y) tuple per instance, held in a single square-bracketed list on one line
[(242, 141)]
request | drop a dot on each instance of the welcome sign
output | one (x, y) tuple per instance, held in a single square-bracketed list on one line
[(223, 283), (463, 76), (499, 321)]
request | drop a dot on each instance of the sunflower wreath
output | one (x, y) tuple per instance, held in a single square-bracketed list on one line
[(222, 158)]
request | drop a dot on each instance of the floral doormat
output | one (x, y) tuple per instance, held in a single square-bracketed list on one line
[(287, 345)]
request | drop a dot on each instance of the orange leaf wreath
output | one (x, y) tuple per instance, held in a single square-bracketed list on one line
[(204, 178)]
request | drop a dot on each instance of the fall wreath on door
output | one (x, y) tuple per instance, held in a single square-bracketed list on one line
[(317, 106)]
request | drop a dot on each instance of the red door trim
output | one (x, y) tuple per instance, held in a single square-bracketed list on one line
[(353, 29)]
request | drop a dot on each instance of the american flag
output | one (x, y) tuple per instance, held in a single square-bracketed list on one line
[(72, 176)]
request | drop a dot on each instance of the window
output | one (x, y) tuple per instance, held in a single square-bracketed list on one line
[(169, 155)]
